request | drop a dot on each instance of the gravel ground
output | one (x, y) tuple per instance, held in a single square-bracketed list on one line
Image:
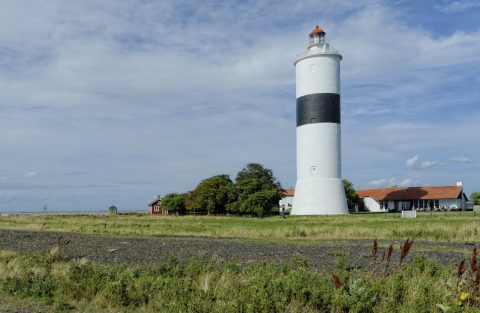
[(151, 250)]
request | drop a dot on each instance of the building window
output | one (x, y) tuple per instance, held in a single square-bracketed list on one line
[(384, 205), (396, 205)]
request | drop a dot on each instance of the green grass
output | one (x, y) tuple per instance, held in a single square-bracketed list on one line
[(55, 285), (212, 286), (454, 226)]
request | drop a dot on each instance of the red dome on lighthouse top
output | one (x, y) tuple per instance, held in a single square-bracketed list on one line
[(317, 31)]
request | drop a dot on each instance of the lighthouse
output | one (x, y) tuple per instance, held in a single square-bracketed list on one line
[(319, 189)]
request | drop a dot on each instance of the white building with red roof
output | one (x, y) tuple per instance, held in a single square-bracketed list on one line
[(286, 203), (425, 198)]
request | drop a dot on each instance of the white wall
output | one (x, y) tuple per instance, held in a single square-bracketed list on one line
[(372, 205), (287, 203), (318, 151), (318, 73)]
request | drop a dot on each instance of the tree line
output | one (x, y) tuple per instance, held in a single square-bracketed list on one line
[(255, 191)]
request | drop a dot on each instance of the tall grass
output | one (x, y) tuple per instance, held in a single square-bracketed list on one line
[(460, 227), (212, 286)]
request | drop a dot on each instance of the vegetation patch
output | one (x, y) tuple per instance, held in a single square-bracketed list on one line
[(214, 286), (451, 227)]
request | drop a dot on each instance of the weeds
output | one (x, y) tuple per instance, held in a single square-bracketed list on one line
[(473, 267), (404, 250), (468, 288), (337, 283), (62, 244), (215, 286), (386, 259), (460, 271), (374, 255)]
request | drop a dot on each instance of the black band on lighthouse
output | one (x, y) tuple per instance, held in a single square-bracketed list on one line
[(318, 108)]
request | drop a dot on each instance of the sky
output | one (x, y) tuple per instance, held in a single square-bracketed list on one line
[(108, 102)]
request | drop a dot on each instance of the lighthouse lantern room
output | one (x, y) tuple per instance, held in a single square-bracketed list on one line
[(317, 36)]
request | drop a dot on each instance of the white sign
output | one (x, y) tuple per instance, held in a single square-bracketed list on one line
[(409, 214)]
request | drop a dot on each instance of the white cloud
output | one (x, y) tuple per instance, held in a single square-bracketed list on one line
[(408, 182), (401, 68), (460, 159), (172, 92), (457, 6), (429, 164), (383, 182), (394, 182), (412, 162)]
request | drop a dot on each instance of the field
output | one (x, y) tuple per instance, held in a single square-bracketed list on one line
[(299, 264), (450, 227)]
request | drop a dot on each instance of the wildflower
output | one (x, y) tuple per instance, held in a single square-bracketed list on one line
[(462, 298)]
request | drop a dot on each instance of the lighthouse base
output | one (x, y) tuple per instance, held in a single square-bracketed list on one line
[(325, 196)]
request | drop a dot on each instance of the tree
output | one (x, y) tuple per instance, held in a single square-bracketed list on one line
[(256, 191), (352, 196), (475, 197), (253, 178), (260, 203), (174, 202), (255, 171), (211, 195)]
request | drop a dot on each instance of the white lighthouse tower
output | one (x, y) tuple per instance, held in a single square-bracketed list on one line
[(319, 189)]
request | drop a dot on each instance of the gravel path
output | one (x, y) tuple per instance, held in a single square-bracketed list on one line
[(151, 250)]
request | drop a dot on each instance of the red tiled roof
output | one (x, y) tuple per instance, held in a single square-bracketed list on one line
[(412, 193), (289, 192)]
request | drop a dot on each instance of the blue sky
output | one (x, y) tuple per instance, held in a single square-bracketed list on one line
[(113, 102)]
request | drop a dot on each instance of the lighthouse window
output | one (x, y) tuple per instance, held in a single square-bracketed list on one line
[(314, 169)]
